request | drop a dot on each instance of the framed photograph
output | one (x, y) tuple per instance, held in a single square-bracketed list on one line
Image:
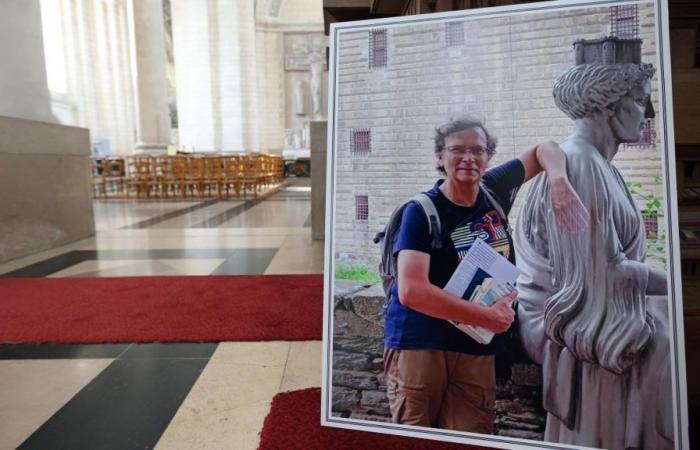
[(502, 261)]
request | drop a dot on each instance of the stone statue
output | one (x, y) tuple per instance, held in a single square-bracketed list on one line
[(316, 69), (288, 138), (591, 312), (299, 97), (305, 134), (297, 137)]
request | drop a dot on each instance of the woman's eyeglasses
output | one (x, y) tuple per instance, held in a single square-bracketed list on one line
[(477, 151)]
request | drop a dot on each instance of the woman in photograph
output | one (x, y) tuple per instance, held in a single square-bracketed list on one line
[(436, 375)]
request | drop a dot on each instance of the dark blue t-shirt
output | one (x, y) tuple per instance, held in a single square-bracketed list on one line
[(406, 328)]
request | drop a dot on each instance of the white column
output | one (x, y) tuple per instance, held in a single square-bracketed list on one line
[(148, 68), (23, 89), (216, 74), (193, 74), (249, 76)]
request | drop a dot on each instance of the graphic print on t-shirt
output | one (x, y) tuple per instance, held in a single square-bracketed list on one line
[(488, 227)]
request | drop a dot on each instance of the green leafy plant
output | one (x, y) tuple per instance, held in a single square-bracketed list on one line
[(652, 207), (356, 273)]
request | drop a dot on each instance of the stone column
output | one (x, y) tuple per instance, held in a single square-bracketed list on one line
[(148, 65), (319, 156), (215, 68), (23, 89)]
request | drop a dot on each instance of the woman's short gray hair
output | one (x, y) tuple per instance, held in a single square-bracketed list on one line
[(587, 88)]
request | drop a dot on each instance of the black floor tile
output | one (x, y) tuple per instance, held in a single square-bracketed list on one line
[(61, 351), (53, 265), (219, 219), (127, 406), (170, 350), (170, 215), (235, 259)]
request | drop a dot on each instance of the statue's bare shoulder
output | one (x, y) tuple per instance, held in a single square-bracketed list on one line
[(582, 158)]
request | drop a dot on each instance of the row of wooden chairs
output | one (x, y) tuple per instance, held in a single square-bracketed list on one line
[(183, 176)]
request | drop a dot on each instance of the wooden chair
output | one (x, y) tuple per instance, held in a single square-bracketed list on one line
[(194, 176), (159, 173), (232, 174), (98, 169), (278, 168), (175, 179), (250, 174), (139, 175), (116, 173), (213, 174), (268, 170)]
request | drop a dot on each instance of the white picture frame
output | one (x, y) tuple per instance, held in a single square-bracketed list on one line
[(339, 125)]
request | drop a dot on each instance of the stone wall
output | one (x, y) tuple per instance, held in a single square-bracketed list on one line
[(45, 187), (297, 45), (358, 389), (504, 72), (23, 77)]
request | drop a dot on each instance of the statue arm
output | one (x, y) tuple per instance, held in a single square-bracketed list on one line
[(570, 212), (658, 284)]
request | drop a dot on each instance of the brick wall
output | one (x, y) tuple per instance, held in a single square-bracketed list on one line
[(504, 72)]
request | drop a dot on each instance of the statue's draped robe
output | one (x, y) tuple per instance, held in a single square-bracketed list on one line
[(602, 342)]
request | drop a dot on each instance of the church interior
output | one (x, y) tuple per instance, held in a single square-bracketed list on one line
[(176, 140)]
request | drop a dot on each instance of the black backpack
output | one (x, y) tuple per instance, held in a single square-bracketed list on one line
[(385, 239)]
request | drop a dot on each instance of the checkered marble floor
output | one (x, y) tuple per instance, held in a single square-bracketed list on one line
[(184, 395)]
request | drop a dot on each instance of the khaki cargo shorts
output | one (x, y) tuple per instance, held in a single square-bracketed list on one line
[(435, 388)]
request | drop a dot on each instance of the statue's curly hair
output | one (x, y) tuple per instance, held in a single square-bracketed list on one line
[(587, 88)]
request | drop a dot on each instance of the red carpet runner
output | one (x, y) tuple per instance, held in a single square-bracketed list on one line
[(165, 309), (294, 423)]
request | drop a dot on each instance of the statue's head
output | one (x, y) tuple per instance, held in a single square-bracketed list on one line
[(618, 91)]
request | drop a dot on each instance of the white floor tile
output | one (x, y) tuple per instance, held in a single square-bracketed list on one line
[(31, 391)]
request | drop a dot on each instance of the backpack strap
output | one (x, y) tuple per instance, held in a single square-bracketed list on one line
[(434, 225), (388, 264), (491, 197)]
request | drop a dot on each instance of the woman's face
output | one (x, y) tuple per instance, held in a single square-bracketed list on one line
[(464, 157), (628, 117)]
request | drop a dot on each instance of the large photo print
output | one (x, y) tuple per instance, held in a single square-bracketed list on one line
[(501, 258)]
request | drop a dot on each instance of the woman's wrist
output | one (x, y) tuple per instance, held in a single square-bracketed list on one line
[(552, 159), (557, 179), (479, 315)]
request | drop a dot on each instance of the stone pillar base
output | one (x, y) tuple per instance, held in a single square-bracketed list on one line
[(150, 148)]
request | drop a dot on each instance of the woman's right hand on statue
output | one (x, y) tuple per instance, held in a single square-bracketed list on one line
[(501, 314)]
